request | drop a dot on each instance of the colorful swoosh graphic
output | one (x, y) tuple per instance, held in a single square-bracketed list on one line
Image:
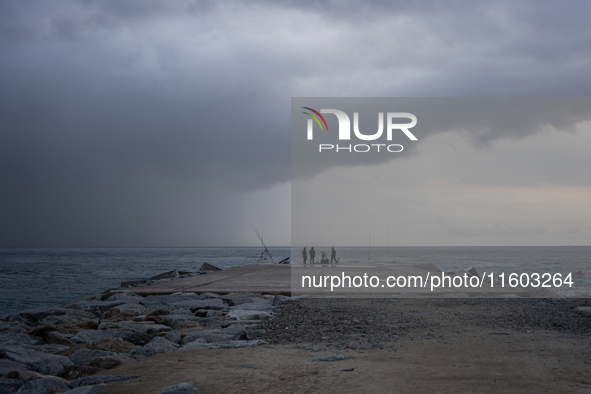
[(315, 118)]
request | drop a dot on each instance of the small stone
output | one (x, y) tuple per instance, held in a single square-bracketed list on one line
[(184, 388)]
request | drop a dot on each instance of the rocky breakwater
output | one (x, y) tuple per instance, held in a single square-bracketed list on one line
[(62, 349)]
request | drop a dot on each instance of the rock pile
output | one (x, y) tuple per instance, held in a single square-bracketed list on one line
[(59, 349)]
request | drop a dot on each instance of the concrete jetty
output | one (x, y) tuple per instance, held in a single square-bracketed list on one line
[(288, 280), (255, 278)]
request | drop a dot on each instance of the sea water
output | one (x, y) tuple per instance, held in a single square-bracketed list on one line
[(489, 259), (32, 278)]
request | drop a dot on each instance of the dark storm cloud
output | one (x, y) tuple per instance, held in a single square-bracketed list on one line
[(483, 120), (133, 123)]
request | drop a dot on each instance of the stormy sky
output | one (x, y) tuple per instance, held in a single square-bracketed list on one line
[(167, 123), (483, 172)]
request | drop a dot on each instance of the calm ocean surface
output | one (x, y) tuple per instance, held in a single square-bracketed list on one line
[(32, 278)]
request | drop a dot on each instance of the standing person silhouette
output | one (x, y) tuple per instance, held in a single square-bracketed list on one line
[(304, 255), (312, 254), (333, 256)]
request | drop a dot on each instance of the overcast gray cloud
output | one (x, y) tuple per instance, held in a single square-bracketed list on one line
[(156, 123)]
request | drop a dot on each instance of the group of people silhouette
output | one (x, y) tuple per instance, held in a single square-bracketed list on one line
[(333, 256)]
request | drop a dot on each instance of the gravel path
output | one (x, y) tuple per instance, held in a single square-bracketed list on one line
[(388, 323)]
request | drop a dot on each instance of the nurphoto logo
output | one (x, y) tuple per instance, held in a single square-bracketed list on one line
[(345, 130)]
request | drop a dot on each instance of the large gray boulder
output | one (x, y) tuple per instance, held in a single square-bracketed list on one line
[(37, 314), (159, 300), (67, 319), (85, 336), (241, 343), (95, 307), (197, 344), (253, 334), (210, 336), (259, 304), (57, 338), (249, 314), (279, 300), (53, 348), (211, 303), (236, 330), (83, 356), (158, 345), (175, 320), (9, 386), (96, 380), (16, 339), (129, 309), (8, 366), (147, 327), (205, 296), (78, 371), (159, 311), (126, 298), (10, 326), (234, 299), (106, 362), (174, 337), (40, 386), (181, 311), (47, 364)]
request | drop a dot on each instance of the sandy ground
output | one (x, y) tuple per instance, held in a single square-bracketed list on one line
[(442, 347), (484, 363)]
